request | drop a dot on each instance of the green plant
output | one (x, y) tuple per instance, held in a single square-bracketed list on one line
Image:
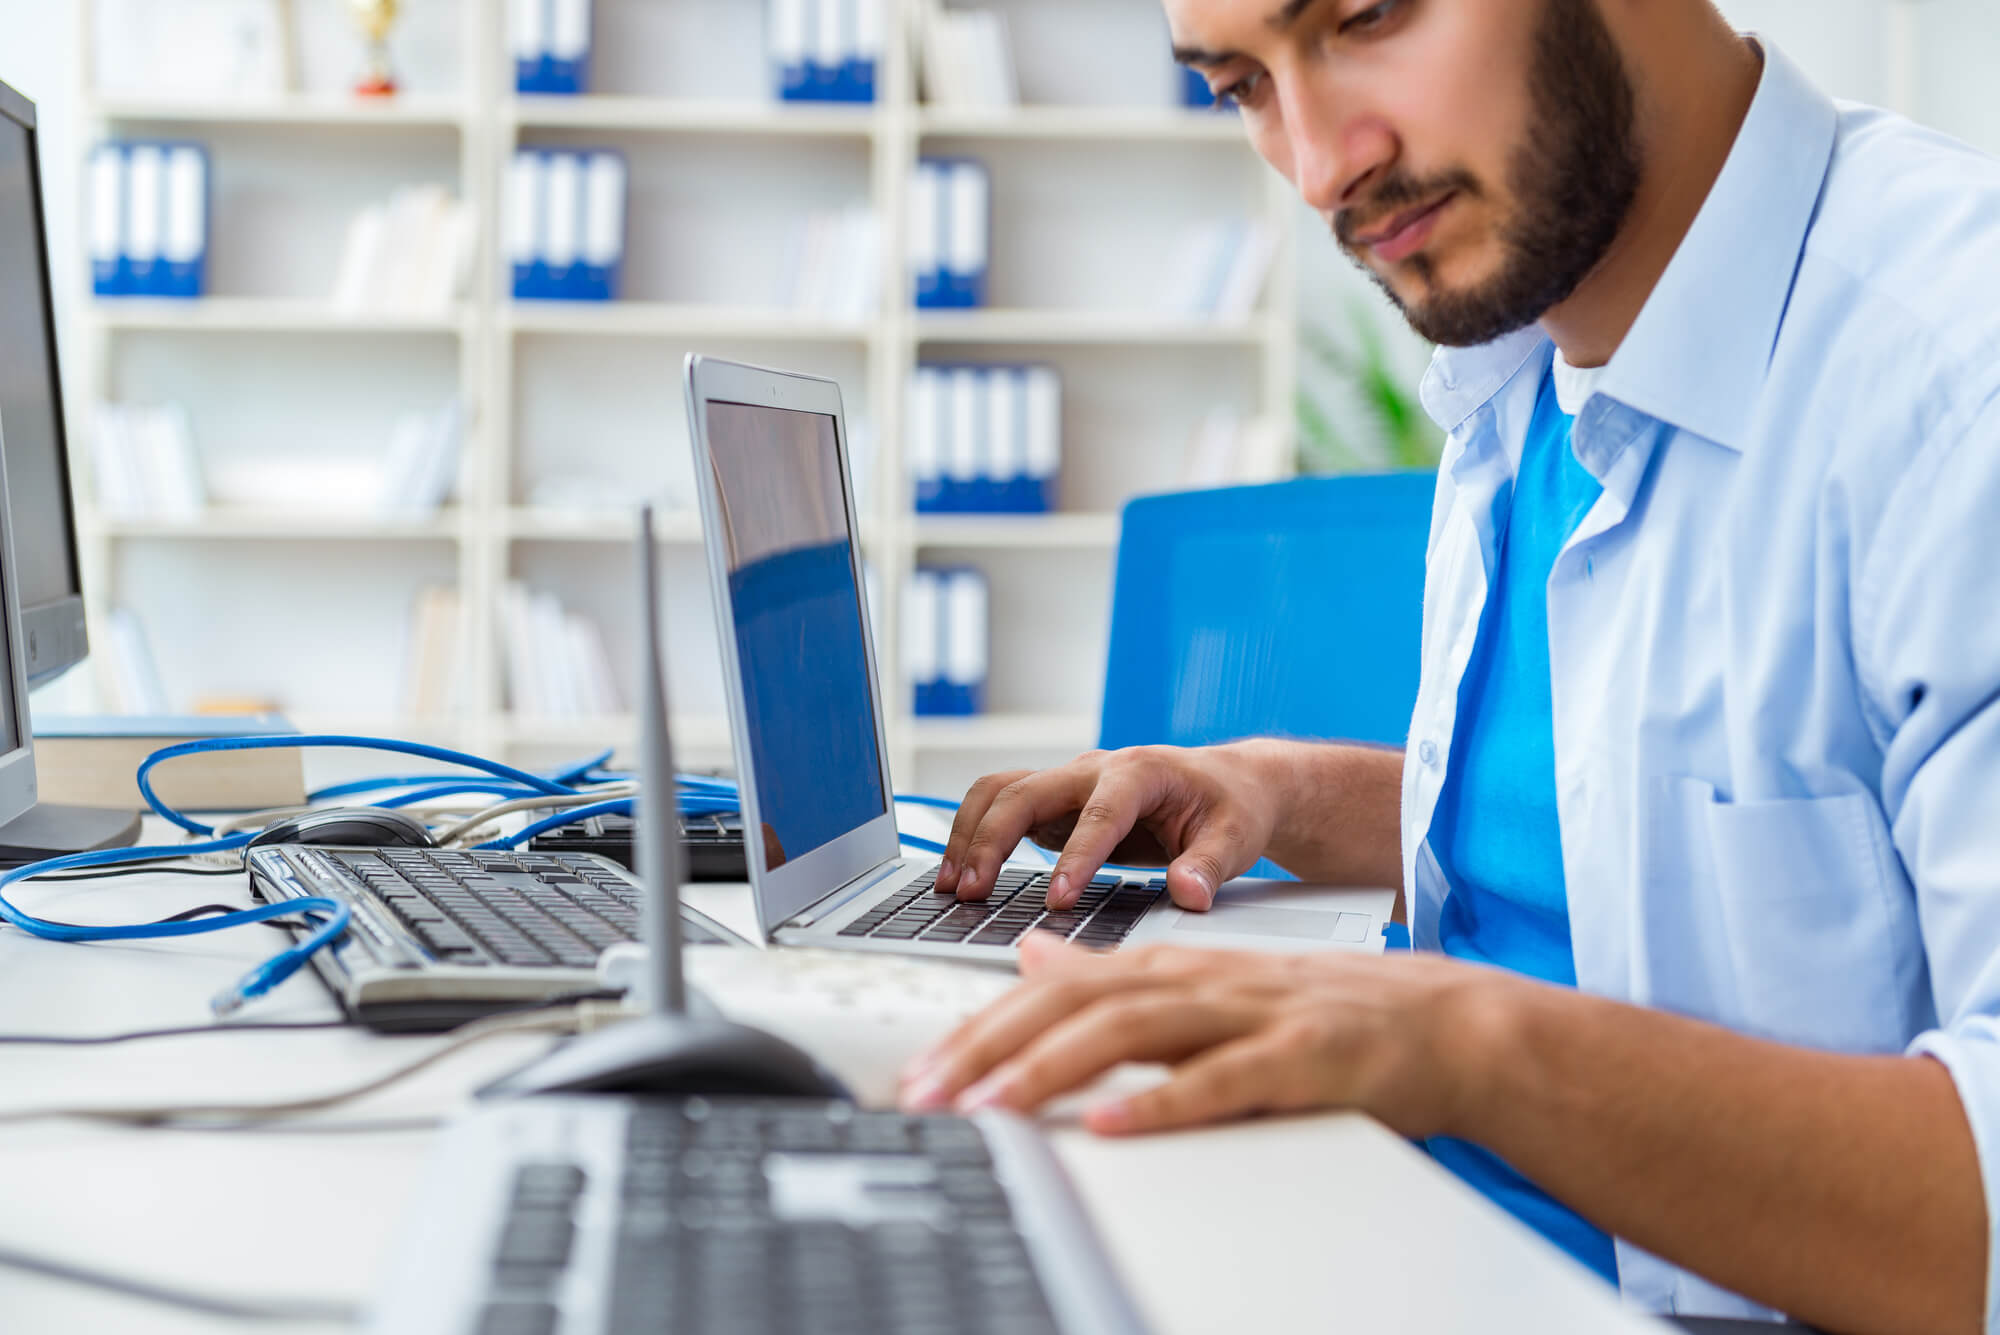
[(1388, 427)]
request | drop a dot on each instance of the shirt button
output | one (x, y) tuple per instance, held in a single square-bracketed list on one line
[(1428, 753)]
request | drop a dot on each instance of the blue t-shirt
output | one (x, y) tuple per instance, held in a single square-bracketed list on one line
[(1495, 832)]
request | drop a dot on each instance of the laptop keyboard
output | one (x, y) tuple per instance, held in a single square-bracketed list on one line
[(487, 907), (720, 1227), (1103, 915)]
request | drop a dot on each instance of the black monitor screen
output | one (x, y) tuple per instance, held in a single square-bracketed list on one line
[(31, 424), (799, 639)]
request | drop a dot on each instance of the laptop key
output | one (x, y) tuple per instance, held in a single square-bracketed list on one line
[(504, 1318)]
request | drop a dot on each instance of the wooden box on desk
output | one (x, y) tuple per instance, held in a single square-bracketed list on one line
[(92, 760)]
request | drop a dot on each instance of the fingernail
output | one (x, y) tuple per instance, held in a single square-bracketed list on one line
[(923, 1094), (1109, 1118), (986, 1093), (947, 873), (1059, 890)]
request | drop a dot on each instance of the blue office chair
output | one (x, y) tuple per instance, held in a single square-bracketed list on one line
[(1292, 609)]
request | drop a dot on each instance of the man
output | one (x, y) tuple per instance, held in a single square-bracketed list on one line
[(1709, 716)]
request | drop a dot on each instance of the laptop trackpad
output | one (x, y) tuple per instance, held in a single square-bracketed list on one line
[(1298, 924)]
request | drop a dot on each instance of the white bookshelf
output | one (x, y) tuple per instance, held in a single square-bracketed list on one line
[(1094, 180)]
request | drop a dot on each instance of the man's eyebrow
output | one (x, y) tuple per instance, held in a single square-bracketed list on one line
[(1287, 15)]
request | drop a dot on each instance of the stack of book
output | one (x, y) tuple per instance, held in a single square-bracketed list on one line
[(145, 462), (93, 761), (1227, 450), (985, 439), (133, 682), (967, 60), (433, 660), (950, 232), (557, 666), (551, 45), (566, 224), (148, 219), (826, 50), (831, 270), (946, 645), (410, 255), (1219, 269), (422, 467)]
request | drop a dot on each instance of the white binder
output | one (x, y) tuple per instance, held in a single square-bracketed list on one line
[(965, 633), (107, 218), (603, 221), (922, 657), (926, 444), (967, 209), (562, 221), (144, 193), (964, 444), (184, 235), (525, 224)]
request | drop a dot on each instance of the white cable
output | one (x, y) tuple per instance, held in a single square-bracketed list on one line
[(209, 1304), (602, 793), (571, 1019), (257, 820)]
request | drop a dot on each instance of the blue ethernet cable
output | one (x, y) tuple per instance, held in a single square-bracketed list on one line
[(617, 806), (261, 979), (580, 772), (534, 783)]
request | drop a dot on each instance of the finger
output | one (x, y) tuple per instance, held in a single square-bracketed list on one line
[(1164, 1024), (970, 812), (1000, 1031), (1268, 1072), (1016, 808), (1219, 850), (1121, 797), (1046, 955)]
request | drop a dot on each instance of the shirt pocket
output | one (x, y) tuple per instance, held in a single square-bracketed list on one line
[(1794, 921)]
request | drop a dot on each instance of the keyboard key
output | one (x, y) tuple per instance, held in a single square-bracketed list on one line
[(534, 1238), (551, 1182), (505, 1318)]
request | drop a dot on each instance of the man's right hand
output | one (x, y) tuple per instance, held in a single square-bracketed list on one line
[(1206, 813)]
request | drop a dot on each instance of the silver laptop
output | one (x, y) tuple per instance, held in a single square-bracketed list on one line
[(805, 703)]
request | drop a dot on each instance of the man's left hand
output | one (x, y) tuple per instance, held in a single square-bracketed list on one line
[(1396, 1036)]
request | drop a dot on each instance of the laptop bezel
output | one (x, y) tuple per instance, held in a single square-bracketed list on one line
[(782, 893)]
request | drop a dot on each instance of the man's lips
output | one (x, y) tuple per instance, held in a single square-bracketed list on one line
[(1405, 233)]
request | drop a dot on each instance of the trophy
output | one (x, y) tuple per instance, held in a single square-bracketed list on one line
[(376, 18)]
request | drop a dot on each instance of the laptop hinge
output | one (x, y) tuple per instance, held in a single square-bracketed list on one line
[(832, 900)]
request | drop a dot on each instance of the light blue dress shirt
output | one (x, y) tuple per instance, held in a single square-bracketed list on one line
[(1774, 641)]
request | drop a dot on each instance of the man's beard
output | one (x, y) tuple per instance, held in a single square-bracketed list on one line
[(1575, 177)]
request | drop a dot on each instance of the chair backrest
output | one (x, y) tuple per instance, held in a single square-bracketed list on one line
[(1291, 609)]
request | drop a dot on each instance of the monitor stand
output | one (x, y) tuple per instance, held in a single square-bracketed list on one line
[(49, 830)]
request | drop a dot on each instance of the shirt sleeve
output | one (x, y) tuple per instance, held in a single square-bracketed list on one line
[(1927, 634)]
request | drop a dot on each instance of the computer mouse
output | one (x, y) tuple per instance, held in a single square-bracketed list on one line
[(351, 827), (675, 1055)]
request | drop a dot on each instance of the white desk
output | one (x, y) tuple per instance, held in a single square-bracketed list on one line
[(1305, 1224)]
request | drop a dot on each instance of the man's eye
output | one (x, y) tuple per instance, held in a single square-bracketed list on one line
[(1371, 17), (1241, 91)]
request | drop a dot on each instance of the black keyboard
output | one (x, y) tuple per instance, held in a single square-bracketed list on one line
[(1103, 915), (724, 1223), (483, 907), (711, 846)]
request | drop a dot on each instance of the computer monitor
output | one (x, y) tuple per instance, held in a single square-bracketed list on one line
[(42, 620), (17, 747), (31, 411)]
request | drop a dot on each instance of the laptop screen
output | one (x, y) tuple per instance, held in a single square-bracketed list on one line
[(799, 640)]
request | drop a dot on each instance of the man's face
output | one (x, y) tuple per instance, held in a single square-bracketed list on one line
[(1476, 157)]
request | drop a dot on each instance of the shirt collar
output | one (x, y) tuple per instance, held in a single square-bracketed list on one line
[(1697, 354)]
